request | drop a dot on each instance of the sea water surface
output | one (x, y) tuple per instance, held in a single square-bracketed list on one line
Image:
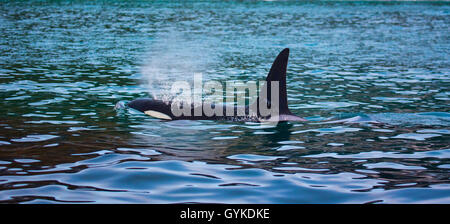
[(372, 79)]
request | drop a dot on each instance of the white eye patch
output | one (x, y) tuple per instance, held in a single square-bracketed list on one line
[(157, 114)]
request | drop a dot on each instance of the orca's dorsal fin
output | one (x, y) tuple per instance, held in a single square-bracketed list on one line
[(278, 73)]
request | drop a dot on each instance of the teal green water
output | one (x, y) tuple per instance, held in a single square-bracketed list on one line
[(371, 78)]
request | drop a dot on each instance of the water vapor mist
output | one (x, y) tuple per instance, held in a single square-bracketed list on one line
[(173, 57)]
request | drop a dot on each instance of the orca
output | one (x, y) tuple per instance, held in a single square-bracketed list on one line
[(162, 109)]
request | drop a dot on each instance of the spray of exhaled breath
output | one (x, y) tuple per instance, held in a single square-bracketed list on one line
[(173, 57)]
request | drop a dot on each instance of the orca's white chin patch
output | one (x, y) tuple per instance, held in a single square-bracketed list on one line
[(157, 114)]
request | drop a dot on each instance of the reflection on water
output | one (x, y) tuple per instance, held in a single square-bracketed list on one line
[(376, 98)]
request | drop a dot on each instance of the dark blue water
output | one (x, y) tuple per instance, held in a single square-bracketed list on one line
[(373, 80)]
